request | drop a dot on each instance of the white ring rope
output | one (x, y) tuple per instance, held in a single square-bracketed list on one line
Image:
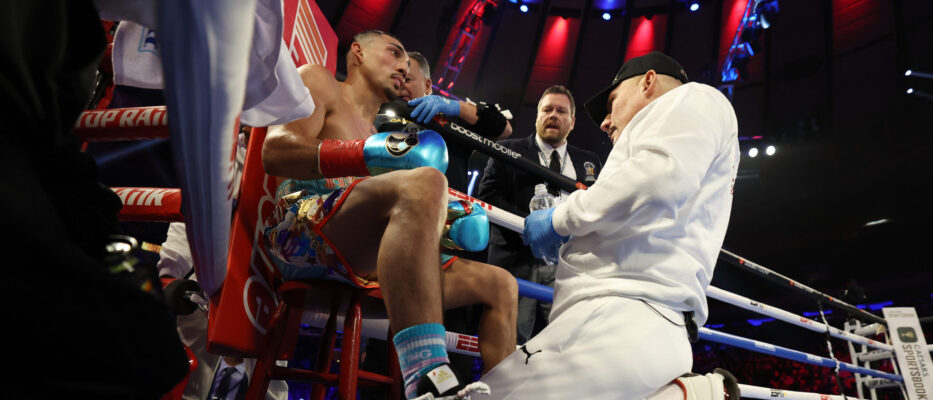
[(870, 330), (789, 317), (757, 392), (793, 355)]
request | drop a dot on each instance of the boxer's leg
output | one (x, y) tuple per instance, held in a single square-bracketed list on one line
[(469, 282), (391, 223), (394, 221)]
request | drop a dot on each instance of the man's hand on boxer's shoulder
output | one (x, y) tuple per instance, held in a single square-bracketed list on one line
[(428, 106), (540, 235)]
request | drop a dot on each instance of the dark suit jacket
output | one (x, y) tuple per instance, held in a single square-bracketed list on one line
[(511, 189)]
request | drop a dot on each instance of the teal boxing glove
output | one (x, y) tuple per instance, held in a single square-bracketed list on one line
[(428, 106), (466, 227), (381, 153)]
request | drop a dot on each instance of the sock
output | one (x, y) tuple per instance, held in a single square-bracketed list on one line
[(420, 348)]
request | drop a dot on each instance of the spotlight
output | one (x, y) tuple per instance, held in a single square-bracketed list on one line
[(770, 150), (607, 16), (764, 23), (694, 6), (917, 74), (920, 93), (753, 152), (767, 11), (472, 175), (524, 8), (877, 222)]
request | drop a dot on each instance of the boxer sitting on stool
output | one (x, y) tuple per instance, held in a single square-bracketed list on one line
[(386, 227)]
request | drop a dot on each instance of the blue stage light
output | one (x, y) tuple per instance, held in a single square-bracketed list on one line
[(524, 8), (694, 6), (758, 322), (607, 16), (878, 306)]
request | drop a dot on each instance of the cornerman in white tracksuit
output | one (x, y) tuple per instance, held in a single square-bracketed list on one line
[(639, 247)]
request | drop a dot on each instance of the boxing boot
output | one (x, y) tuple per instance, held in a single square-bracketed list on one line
[(442, 383)]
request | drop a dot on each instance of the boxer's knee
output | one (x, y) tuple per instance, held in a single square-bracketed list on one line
[(423, 190), (426, 180), (504, 287)]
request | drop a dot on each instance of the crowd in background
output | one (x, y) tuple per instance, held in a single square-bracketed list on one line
[(768, 371)]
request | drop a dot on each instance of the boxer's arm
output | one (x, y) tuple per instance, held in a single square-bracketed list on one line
[(291, 150)]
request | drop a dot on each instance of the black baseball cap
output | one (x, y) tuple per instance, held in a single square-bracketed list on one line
[(659, 62)]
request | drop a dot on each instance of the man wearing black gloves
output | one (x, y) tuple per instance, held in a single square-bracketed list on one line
[(484, 119)]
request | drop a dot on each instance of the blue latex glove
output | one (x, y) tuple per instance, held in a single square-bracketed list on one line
[(428, 106), (539, 233)]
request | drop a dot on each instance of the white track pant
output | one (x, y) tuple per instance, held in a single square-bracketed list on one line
[(599, 348)]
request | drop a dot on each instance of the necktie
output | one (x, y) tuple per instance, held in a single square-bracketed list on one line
[(554, 166), (241, 387), (223, 386)]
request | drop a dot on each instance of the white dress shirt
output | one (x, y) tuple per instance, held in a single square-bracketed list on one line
[(566, 164), (236, 379)]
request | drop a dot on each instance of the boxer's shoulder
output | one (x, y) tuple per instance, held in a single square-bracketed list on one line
[(321, 83)]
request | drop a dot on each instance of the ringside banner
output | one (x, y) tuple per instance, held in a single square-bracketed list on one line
[(913, 356)]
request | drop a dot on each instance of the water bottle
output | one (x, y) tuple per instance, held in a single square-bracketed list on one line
[(542, 200)]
